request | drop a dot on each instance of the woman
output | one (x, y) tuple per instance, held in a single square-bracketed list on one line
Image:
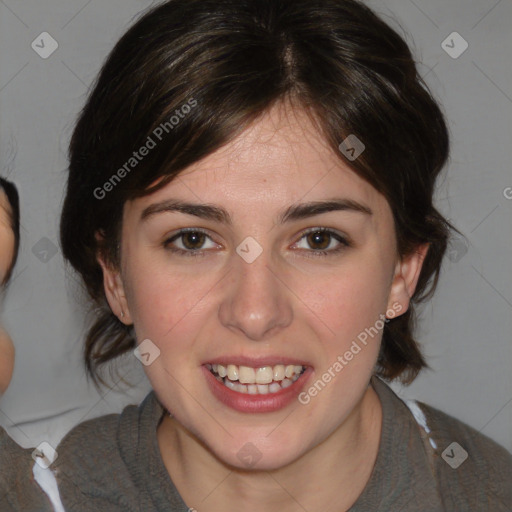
[(19, 475), (9, 243), (250, 206)]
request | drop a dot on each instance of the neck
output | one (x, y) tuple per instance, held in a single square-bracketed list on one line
[(334, 471)]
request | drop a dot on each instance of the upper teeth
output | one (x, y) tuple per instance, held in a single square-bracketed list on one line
[(262, 375)]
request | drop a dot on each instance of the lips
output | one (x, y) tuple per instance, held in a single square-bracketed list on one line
[(259, 387)]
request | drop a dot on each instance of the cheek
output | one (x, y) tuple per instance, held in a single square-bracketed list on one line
[(348, 301), (165, 306), (6, 250), (6, 360)]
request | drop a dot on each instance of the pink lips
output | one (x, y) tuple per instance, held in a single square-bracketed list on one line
[(256, 403)]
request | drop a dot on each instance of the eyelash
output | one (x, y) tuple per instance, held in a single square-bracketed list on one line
[(343, 243), (176, 250)]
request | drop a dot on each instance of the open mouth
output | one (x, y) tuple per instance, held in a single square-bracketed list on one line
[(256, 381)]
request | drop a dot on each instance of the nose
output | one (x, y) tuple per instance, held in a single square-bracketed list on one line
[(256, 303)]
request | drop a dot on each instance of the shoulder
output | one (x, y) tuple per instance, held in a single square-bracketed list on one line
[(18, 489), (86, 456), (469, 466), (95, 443), (95, 459), (89, 442), (446, 429), (97, 433)]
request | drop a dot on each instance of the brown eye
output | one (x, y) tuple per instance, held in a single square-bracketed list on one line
[(322, 242), (193, 240), (319, 240), (190, 242)]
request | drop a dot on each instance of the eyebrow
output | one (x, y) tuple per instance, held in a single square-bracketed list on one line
[(219, 214)]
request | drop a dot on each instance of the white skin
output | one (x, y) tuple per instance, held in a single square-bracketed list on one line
[(290, 301), (6, 255)]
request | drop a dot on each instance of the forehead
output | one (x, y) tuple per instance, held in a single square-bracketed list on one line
[(280, 159)]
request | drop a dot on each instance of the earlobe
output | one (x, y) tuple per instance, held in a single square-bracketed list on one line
[(114, 291), (407, 273)]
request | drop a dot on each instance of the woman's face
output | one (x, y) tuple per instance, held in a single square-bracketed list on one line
[(289, 261), (6, 255)]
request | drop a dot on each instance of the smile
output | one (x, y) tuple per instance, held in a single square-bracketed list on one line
[(256, 381)]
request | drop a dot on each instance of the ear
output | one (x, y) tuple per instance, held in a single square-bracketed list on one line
[(407, 273), (114, 291)]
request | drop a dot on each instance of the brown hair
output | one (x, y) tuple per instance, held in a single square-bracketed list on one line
[(235, 60)]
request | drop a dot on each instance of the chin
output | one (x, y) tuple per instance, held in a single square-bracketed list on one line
[(256, 453)]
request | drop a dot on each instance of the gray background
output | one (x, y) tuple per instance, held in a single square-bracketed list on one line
[(465, 330)]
